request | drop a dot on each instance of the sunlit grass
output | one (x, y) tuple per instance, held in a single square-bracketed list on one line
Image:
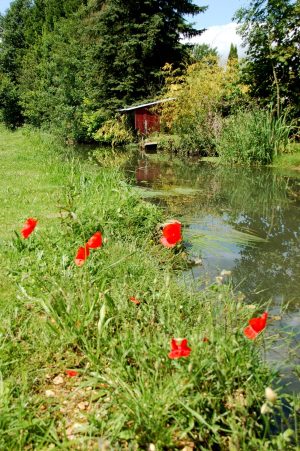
[(28, 184), (57, 316), (290, 159)]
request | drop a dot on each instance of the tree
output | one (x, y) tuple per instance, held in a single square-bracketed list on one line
[(22, 48), (80, 59), (13, 45), (129, 41), (204, 93), (270, 29), (204, 51), (233, 54)]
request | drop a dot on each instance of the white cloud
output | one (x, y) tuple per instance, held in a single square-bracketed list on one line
[(220, 36)]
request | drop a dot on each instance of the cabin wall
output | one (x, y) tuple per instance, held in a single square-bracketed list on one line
[(146, 121)]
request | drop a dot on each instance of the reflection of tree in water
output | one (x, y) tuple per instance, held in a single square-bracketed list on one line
[(273, 266), (219, 188), (266, 203), (256, 200)]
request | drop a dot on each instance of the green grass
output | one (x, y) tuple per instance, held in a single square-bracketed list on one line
[(253, 137), (56, 316), (290, 159)]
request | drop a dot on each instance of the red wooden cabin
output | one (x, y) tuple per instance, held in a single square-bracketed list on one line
[(145, 120)]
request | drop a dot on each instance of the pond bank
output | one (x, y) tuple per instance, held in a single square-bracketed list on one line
[(241, 219), (59, 317)]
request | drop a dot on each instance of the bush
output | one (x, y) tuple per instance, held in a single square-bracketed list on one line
[(202, 94), (114, 132), (9, 103), (254, 136)]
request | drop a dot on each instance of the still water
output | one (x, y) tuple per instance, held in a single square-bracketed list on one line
[(245, 220)]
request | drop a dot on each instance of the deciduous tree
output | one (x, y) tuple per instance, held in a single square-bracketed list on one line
[(270, 29)]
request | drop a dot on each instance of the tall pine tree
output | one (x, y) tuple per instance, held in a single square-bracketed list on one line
[(233, 54), (80, 57), (129, 41)]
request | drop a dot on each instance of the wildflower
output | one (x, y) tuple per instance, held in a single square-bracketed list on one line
[(82, 255), (171, 234), (71, 373), (135, 300), (95, 241), (29, 227), (271, 396), (265, 408), (179, 348), (256, 325), (205, 340)]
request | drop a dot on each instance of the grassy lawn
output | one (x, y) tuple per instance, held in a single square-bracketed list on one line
[(289, 160), (29, 185), (126, 392)]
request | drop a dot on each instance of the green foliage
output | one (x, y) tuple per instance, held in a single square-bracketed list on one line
[(203, 94), (272, 65), (69, 61), (93, 120), (114, 132), (289, 159), (27, 63), (253, 137), (9, 101), (233, 54), (201, 52)]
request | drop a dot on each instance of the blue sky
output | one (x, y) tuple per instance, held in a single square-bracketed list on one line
[(219, 12), (4, 4)]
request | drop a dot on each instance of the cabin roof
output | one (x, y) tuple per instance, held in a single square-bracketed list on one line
[(143, 105)]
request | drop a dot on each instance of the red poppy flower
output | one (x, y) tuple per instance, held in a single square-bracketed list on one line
[(256, 325), (82, 255), (179, 348), (135, 300), (171, 234), (71, 373), (205, 340), (29, 227), (95, 241)]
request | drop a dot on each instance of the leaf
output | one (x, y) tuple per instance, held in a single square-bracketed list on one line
[(101, 319)]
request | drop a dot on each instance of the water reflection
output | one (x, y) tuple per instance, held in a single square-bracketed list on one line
[(222, 208)]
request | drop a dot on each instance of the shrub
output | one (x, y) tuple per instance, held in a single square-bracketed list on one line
[(92, 120), (202, 94), (114, 132)]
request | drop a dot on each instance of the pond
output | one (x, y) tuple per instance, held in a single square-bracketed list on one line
[(244, 220)]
